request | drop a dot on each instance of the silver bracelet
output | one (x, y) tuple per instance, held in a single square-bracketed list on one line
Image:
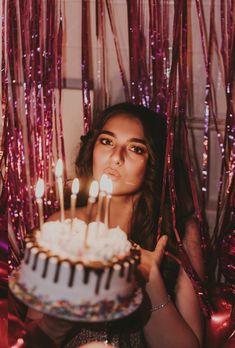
[(162, 305)]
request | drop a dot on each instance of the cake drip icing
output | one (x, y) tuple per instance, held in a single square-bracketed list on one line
[(76, 278), (68, 241)]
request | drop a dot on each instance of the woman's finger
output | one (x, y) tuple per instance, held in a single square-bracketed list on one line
[(160, 249)]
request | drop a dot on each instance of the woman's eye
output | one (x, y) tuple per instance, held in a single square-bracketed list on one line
[(105, 141), (137, 149)]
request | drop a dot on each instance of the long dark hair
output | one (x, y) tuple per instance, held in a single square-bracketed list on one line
[(146, 210)]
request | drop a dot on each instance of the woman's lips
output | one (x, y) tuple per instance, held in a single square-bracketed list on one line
[(112, 172)]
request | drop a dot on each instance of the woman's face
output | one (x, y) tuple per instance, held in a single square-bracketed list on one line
[(121, 152)]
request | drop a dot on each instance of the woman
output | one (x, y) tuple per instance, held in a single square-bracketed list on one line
[(127, 143)]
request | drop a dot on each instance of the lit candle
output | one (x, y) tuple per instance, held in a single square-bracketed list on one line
[(39, 191), (59, 173), (73, 198), (102, 194), (109, 190), (93, 193)]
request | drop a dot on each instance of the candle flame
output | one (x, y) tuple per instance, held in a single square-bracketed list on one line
[(39, 191), (103, 182), (94, 189), (59, 168), (75, 186)]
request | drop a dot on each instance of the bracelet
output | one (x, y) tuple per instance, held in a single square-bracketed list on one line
[(162, 305)]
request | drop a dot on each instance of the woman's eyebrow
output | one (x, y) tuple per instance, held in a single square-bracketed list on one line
[(107, 132), (136, 140)]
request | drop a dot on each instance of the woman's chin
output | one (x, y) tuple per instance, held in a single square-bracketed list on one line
[(122, 192)]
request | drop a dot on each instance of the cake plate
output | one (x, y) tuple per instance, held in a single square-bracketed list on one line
[(100, 312)]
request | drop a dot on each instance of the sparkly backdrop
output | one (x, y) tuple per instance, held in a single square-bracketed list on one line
[(32, 96), (158, 77), (160, 70)]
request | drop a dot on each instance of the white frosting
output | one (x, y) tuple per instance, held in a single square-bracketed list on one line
[(68, 240)]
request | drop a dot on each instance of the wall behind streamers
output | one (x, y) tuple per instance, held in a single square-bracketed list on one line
[(72, 111)]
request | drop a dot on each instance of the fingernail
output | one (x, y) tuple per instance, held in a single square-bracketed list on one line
[(165, 238)]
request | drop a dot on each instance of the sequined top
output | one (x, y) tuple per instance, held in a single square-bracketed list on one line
[(124, 333)]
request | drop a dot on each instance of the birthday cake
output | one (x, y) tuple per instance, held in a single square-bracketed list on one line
[(79, 272)]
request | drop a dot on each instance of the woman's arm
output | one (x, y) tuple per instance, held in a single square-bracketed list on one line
[(179, 324), (47, 332)]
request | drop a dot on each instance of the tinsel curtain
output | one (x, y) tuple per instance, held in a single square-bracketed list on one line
[(159, 76), (31, 88), (160, 69)]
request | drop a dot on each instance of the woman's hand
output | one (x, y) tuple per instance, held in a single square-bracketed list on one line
[(151, 260), (53, 328)]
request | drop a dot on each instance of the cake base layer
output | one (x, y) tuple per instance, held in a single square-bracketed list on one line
[(63, 276), (104, 310)]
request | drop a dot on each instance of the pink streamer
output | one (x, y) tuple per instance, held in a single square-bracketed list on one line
[(133, 42), (209, 104), (118, 52), (222, 241), (168, 87), (139, 73), (85, 68), (33, 65), (227, 49), (102, 93)]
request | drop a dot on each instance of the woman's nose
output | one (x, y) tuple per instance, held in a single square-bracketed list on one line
[(117, 156)]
